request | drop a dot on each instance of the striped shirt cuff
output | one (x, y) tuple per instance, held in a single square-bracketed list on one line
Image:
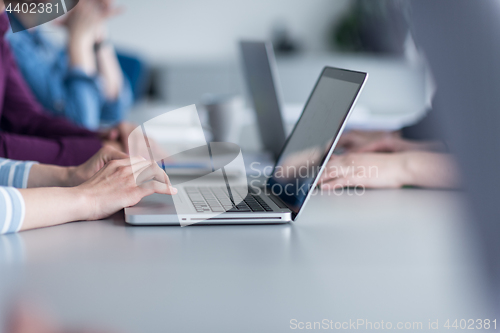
[(14, 173)]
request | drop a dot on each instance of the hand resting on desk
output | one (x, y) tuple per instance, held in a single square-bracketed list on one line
[(391, 170)]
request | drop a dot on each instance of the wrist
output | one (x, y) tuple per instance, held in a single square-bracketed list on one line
[(408, 167), (71, 177), (66, 174), (82, 203), (79, 40), (81, 53), (43, 175)]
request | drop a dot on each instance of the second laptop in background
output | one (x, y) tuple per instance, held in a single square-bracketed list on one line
[(261, 77)]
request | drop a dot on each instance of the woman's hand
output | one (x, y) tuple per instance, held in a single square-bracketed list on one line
[(391, 170), (83, 172), (89, 17), (118, 136), (383, 142), (108, 8), (44, 175), (85, 20), (398, 144), (367, 170), (84, 23), (124, 129), (122, 183), (119, 184)]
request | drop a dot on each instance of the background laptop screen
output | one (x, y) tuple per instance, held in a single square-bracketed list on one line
[(311, 140), (258, 61)]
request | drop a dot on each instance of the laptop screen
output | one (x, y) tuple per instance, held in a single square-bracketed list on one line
[(313, 136)]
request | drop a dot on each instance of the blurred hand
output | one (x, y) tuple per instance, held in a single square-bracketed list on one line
[(397, 144), (356, 140), (117, 136), (102, 10), (108, 8), (124, 129), (391, 170), (123, 183), (371, 170), (83, 172), (385, 142), (113, 144), (84, 21)]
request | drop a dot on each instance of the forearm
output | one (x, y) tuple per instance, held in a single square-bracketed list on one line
[(435, 170), (51, 206), (110, 70), (44, 175), (81, 53)]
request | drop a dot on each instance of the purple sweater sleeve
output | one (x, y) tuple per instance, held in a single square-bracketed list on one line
[(27, 133)]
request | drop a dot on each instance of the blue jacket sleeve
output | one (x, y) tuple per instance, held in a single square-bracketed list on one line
[(82, 99), (115, 111)]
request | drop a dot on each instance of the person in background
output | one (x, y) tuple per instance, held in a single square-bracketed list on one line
[(29, 133), (82, 82), (36, 195)]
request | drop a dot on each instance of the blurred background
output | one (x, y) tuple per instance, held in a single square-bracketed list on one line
[(188, 49)]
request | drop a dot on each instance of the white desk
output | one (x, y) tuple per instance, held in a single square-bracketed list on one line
[(393, 255)]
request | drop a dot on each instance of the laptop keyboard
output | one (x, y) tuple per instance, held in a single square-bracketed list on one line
[(217, 199)]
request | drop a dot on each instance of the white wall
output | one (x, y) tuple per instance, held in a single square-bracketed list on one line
[(209, 29)]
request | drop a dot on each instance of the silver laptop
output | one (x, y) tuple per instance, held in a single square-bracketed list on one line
[(295, 174), (260, 71)]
